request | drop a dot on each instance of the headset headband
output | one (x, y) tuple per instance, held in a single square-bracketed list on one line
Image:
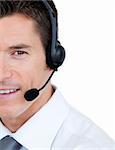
[(56, 53)]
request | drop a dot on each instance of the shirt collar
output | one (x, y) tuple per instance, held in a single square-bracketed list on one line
[(44, 125)]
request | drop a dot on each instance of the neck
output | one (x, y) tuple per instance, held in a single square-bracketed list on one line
[(15, 123)]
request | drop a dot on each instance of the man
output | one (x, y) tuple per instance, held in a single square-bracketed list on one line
[(32, 111)]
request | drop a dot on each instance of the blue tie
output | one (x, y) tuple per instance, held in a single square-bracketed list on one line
[(9, 143)]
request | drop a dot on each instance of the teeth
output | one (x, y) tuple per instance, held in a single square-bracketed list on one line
[(7, 91)]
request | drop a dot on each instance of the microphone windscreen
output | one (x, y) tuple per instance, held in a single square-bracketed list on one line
[(31, 94)]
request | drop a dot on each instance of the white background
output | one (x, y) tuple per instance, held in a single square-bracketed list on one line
[(86, 78)]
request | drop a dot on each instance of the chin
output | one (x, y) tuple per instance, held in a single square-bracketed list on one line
[(9, 113)]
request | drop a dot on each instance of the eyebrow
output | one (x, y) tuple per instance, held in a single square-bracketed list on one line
[(19, 46)]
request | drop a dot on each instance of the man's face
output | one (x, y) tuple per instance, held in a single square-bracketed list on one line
[(22, 63)]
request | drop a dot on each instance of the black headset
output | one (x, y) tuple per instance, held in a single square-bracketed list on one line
[(55, 54)]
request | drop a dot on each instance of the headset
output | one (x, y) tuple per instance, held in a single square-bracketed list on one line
[(55, 53)]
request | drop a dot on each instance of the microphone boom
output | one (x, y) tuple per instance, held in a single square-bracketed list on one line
[(31, 94)]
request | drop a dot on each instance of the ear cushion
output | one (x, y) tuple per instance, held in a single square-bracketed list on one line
[(55, 59), (59, 56)]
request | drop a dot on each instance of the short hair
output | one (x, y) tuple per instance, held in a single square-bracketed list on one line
[(35, 10)]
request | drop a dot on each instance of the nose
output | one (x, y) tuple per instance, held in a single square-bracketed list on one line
[(5, 72)]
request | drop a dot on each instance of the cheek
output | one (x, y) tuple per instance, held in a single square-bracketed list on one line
[(34, 74), (26, 73), (30, 72)]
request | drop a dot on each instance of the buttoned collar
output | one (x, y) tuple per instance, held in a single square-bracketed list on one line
[(40, 130)]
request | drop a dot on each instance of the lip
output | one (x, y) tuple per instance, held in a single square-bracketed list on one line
[(9, 95), (9, 88)]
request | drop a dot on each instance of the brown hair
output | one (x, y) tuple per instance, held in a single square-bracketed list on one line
[(33, 9)]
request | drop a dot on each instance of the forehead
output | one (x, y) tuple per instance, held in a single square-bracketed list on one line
[(16, 21), (17, 27)]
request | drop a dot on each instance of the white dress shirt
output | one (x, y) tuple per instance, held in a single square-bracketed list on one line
[(57, 126)]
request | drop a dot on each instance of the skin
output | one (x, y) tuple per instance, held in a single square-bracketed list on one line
[(22, 66)]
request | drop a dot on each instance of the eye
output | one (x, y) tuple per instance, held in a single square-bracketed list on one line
[(16, 53)]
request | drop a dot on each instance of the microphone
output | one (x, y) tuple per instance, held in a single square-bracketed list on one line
[(31, 94)]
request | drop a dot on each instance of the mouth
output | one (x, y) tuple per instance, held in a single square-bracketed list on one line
[(8, 91)]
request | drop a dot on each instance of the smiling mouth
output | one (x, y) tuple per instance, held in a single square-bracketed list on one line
[(8, 91)]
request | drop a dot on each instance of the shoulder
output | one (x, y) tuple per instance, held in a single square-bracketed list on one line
[(77, 130)]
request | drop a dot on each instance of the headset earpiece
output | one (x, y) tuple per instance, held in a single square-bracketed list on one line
[(59, 56), (54, 60)]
